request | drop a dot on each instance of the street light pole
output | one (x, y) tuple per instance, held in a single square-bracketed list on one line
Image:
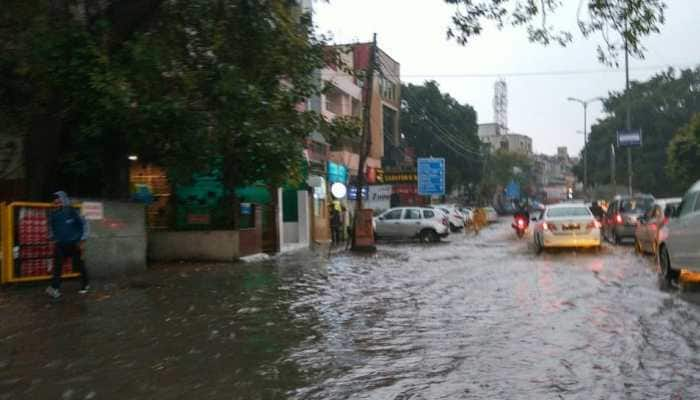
[(628, 117), (585, 104)]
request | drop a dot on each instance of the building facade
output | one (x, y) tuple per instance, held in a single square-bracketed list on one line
[(510, 142)]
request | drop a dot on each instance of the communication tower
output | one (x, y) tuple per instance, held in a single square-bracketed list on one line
[(500, 106)]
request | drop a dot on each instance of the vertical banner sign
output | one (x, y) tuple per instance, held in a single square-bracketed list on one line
[(431, 176)]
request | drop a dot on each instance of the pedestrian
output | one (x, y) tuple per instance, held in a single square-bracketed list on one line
[(69, 230), (336, 223), (479, 220), (597, 211)]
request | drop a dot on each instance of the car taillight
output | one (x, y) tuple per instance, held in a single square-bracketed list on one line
[(618, 218), (594, 224), (521, 223), (665, 220)]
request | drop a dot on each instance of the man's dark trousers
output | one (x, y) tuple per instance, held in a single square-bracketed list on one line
[(62, 251)]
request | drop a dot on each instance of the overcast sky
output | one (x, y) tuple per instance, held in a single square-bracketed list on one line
[(413, 33)]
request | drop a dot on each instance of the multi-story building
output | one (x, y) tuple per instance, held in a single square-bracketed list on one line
[(511, 142)]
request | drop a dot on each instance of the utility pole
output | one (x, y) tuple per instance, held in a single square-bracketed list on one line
[(628, 119), (613, 178), (585, 104), (366, 140)]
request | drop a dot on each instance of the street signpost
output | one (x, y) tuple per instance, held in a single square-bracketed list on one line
[(629, 137), (431, 176)]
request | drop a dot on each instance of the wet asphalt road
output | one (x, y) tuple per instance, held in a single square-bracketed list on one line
[(472, 318)]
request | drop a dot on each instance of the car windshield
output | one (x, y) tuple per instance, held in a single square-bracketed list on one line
[(640, 205), (562, 212)]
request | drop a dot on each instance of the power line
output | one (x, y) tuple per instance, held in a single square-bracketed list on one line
[(571, 72), (454, 137)]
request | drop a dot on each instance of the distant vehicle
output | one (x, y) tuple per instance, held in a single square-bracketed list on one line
[(566, 225), (679, 240), (454, 216), (426, 224), (620, 220), (649, 225), (468, 213), (491, 215)]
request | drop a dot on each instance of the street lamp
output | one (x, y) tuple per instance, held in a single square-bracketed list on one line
[(585, 104)]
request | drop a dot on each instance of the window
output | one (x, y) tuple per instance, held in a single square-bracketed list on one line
[(393, 214), (688, 204), (412, 213), (636, 205), (569, 212), (428, 214)]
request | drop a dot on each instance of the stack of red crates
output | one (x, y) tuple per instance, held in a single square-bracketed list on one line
[(35, 248)]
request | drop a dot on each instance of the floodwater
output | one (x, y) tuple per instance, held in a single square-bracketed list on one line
[(470, 318)]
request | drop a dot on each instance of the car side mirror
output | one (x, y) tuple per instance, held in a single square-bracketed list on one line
[(381, 218), (534, 219)]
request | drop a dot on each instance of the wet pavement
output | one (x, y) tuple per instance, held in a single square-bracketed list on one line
[(471, 318)]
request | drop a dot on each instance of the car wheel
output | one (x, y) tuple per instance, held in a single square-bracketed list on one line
[(667, 272), (428, 235)]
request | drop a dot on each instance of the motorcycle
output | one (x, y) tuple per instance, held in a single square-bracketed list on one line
[(520, 224)]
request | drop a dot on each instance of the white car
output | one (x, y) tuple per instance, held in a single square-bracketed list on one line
[(679, 240), (455, 217), (566, 225), (468, 213), (426, 224), (491, 215)]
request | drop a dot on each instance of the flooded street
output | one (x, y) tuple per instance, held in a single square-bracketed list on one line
[(470, 318)]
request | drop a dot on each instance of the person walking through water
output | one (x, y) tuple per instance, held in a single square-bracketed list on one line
[(336, 223), (69, 230)]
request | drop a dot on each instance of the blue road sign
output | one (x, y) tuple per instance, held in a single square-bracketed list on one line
[(513, 190), (431, 176), (629, 138)]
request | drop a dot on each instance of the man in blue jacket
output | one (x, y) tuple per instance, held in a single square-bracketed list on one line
[(69, 230)]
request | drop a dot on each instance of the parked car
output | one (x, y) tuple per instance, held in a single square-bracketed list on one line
[(491, 215), (647, 231), (679, 240), (468, 213), (620, 220), (426, 224), (566, 225), (454, 216)]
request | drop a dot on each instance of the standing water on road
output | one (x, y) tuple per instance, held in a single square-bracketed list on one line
[(469, 318)]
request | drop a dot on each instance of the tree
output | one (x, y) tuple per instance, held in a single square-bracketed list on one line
[(613, 20), (660, 106), (179, 83), (684, 156), (501, 168), (437, 125)]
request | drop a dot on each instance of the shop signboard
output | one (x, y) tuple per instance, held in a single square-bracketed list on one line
[(431, 176), (93, 210), (337, 172), (379, 197), (352, 193), (397, 177)]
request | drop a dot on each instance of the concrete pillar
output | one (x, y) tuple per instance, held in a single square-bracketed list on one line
[(304, 217), (280, 217)]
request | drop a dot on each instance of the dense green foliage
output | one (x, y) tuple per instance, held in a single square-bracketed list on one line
[(175, 82), (614, 20), (501, 168), (684, 156), (437, 125), (660, 107)]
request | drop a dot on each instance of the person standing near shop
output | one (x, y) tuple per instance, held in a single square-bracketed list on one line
[(69, 230), (336, 223)]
